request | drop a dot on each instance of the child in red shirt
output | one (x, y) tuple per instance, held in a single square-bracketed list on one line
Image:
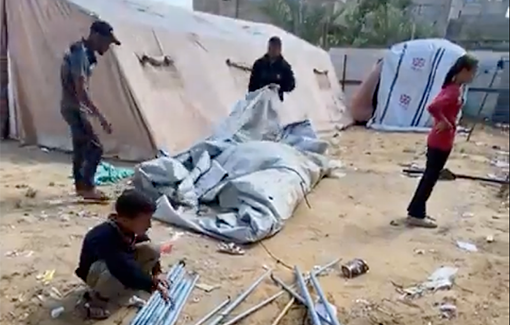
[(444, 109)]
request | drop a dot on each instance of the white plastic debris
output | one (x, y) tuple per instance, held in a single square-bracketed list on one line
[(467, 246), (441, 279), (448, 311), (57, 312), (17, 253), (499, 164), (136, 301), (231, 249), (336, 169), (176, 236), (468, 215), (207, 288)]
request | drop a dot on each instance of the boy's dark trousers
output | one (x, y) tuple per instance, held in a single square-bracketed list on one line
[(101, 281), (87, 149), (436, 160)]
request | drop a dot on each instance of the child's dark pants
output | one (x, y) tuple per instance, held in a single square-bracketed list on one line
[(436, 160), (106, 286)]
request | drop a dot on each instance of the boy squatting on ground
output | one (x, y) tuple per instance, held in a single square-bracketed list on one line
[(117, 257)]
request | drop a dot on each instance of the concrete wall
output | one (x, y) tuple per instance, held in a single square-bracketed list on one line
[(435, 12), (464, 21), (479, 23), (486, 73), (502, 110), (461, 8), (248, 9), (431, 11)]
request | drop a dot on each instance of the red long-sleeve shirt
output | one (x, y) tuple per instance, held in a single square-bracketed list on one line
[(445, 107)]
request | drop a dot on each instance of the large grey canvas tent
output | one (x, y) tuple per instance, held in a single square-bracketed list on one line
[(152, 108)]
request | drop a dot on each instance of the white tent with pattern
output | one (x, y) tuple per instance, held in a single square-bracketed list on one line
[(412, 74)]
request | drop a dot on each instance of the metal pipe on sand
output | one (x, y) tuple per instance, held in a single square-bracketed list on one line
[(150, 303), (155, 299), (238, 300), (165, 310), (306, 295), (287, 288), (297, 296), (322, 296), (213, 312), (181, 301), (274, 297), (250, 311), (160, 304)]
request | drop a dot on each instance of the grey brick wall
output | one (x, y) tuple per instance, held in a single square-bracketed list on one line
[(435, 12), (480, 8), (488, 16), (248, 9), (480, 23), (432, 11)]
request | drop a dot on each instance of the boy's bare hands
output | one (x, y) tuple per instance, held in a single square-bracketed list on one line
[(161, 284)]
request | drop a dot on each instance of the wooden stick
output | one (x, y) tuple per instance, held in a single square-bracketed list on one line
[(284, 311), (344, 72), (461, 176)]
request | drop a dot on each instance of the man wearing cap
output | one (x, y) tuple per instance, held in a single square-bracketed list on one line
[(272, 69), (77, 107)]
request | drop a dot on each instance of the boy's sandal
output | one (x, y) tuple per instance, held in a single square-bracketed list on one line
[(92, 310), (96, 313)]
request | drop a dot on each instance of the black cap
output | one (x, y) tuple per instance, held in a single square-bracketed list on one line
[(275, 40), (132, 202), (103, 28)]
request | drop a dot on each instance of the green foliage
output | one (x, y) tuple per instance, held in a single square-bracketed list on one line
[(369, 23), (302, 19)]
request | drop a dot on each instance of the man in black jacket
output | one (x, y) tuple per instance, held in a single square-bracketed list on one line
[(272, 69)]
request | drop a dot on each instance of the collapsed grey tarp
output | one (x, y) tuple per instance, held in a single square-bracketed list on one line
[(243, 182)]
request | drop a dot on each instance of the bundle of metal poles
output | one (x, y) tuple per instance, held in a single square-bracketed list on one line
[(157, 310), (223, 311), (315, 317)]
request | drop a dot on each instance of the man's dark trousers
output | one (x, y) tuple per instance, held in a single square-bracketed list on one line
[(87, 149)]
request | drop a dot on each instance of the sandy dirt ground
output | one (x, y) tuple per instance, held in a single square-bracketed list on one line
[(41, 229)]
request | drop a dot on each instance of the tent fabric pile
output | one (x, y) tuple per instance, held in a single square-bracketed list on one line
[(245, 180)]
